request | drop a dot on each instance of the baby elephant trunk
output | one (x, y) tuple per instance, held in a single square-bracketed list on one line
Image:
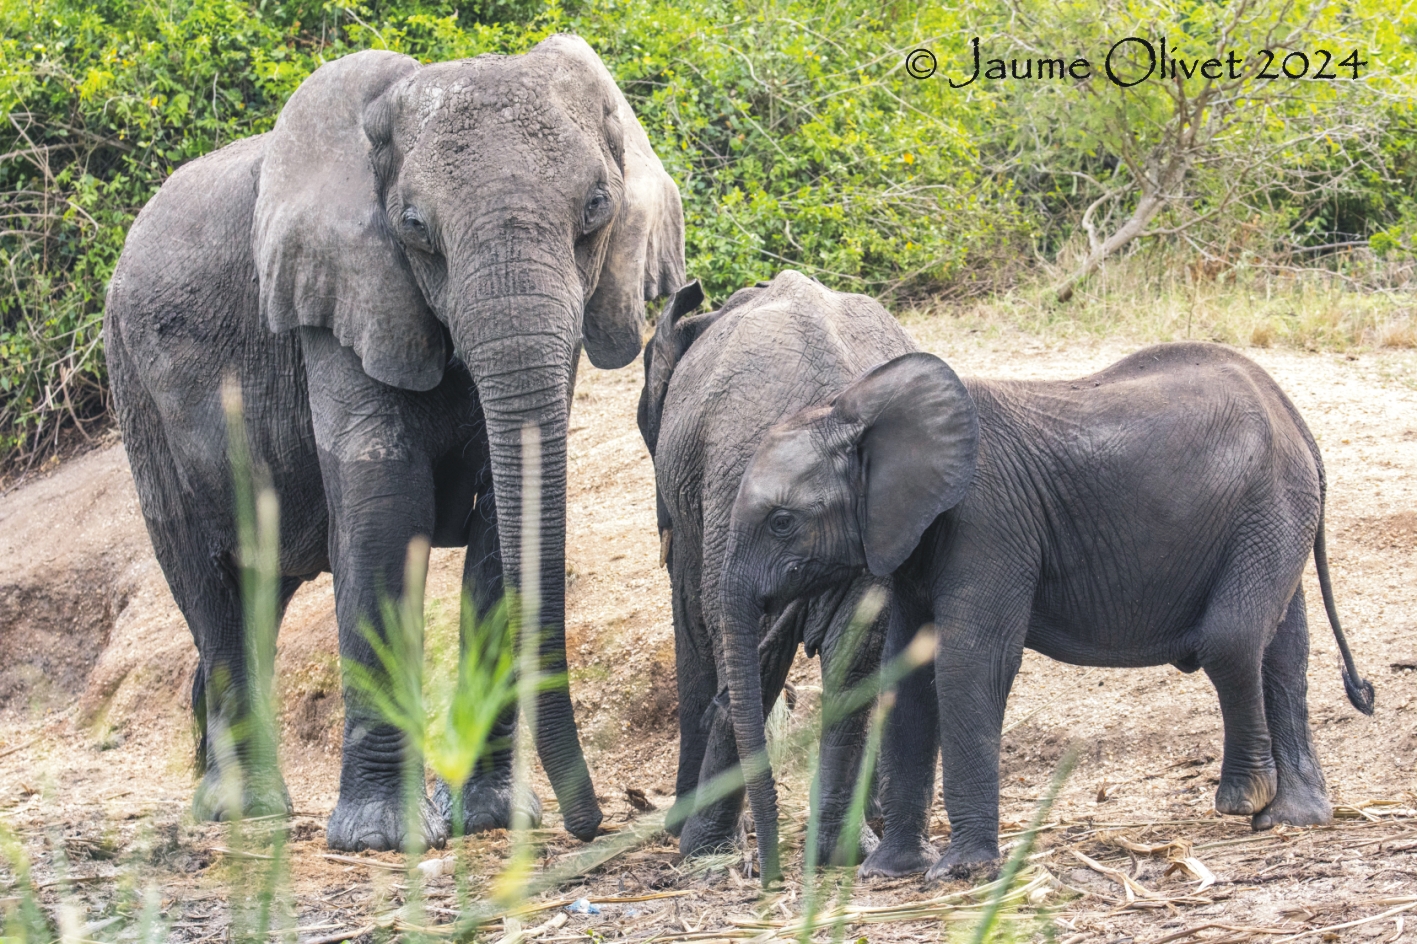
[(743, 615)]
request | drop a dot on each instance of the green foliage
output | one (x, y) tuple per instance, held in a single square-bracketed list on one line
[(1267, 167), (797, 139), (795, 134), (100, 103)]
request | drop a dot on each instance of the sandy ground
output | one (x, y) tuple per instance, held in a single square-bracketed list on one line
[(95, 769)]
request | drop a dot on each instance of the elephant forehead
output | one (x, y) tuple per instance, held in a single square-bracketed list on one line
[(430, 100), (784, 468), (497, 96), (514, 132)]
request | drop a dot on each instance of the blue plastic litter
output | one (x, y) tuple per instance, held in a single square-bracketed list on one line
[(582, 906), (631, 913)]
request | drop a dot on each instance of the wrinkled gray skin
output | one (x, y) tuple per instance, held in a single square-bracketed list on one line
[(506, 208), (714, 384), (1161, 511)]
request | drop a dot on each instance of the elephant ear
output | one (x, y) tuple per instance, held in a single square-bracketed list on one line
[(661, 355), (917, 435), (325, 256), (644, 258)]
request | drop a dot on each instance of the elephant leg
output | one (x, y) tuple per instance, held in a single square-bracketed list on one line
[(696, 677), (978, 656), (909, 755), (714, 824), (846, 662), (1232, 653), (1301, 796), (237, 780), (380, 493), (488, 797), (187, 509), (841, 752), (374, 513)]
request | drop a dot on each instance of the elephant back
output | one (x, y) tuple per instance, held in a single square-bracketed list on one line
[(188, 252), (777, 348)]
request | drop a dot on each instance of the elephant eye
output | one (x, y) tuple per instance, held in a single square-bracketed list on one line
[(413, 224), (597, 211), (780, 523)]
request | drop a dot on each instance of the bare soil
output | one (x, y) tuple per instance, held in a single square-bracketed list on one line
[(95, 745)]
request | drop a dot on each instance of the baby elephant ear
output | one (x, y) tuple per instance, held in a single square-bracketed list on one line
[(325, 256), (917, 435)]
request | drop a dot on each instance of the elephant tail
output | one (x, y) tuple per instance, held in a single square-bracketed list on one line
[(1360, 690)]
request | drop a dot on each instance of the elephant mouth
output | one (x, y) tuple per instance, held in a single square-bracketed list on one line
[(808, 580)]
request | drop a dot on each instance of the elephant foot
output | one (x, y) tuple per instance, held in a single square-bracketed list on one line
[(964, 861), (1294, 808), (866, 843), (706, 834), (894, 860), (678, 815), (1245, 794), (378, 825), (488, 803), (221, 798)]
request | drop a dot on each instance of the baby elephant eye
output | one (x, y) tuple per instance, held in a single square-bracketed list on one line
[(780, 523)]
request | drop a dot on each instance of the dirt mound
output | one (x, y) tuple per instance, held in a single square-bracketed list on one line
[(89, 628), (92, 638), (73, 557)]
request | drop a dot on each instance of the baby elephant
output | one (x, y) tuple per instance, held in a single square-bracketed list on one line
[(1159, 511), (714, 384)]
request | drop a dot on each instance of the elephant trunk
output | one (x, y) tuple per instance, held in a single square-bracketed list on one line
[(520, 352), (742, 617)]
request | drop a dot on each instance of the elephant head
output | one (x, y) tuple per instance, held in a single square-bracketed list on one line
[(830, 493), (508, 207)]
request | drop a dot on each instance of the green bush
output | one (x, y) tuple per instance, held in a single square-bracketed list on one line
[(791, 126), (100, 104), (794, 134), (798, 140)]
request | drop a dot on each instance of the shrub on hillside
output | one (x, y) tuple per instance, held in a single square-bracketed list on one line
[(792, 127)]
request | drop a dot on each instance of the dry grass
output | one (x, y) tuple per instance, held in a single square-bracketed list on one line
[(1311, 310)]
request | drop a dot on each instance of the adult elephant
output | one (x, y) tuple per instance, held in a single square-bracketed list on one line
[(506, 208)]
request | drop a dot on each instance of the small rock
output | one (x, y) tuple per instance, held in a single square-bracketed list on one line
[(432, 868)]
